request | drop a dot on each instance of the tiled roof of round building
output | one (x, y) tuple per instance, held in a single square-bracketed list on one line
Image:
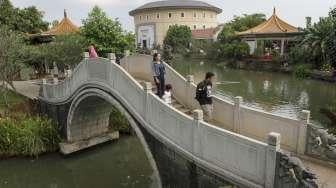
[(64, 27), (274, 25), (187, 4)]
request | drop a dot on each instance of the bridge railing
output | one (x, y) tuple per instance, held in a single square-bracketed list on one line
[(235, 116), (243, 160)]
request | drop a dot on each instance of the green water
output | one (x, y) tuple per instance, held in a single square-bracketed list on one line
[(273, 92), (119, 164)]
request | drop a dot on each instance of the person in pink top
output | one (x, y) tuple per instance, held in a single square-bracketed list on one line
[(92, 52)]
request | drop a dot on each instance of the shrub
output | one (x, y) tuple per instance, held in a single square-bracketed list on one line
[(302, 71), (21, 135), (118, 122)]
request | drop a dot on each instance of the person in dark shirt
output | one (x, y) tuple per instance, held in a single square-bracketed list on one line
[(159, 71), (204, 95)]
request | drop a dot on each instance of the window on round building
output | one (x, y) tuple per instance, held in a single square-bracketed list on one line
[(147, 17), (140, 17), (203, 26), (157, 15), (182, 14), (195, 15), (195, 26), (203, 14), (169, 15)]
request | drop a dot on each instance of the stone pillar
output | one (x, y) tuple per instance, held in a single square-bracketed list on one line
[(126, 54), (86, 55), (282, 47), (112, 57), (236, 119), (147, 86), (273, 141), (44, 87), (189, 91), (197, 136), (302, 135)]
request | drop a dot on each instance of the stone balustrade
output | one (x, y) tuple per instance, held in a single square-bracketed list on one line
[(240, 159)]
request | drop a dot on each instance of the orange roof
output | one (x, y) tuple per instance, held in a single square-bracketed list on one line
[(64, 27), (274, 25)]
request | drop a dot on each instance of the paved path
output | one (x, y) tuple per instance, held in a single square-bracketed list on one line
[(29, 89)]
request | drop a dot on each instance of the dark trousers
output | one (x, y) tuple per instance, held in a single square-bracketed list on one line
[(160, 86)]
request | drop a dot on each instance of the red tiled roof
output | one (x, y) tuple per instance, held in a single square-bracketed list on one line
[(203, 33)]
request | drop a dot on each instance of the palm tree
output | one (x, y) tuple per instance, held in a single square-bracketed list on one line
[(316, 39)]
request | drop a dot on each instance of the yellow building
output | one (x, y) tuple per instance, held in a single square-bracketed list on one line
[(153, 20)]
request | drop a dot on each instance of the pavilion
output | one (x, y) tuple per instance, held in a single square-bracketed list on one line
[(66, 26), (278, 32)]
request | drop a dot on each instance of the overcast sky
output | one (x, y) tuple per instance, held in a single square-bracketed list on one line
[(293, 11)]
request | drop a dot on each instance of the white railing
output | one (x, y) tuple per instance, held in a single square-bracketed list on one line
[(243, 160), (235, 117)]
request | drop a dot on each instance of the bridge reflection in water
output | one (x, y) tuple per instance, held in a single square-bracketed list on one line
[(209, 154)]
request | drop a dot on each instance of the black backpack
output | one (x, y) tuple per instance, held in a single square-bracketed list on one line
[(201, 91)]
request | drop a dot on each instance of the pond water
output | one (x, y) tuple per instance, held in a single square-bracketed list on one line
[(273, 92), (120, 164)]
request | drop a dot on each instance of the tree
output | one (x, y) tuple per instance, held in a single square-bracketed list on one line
[(65, 50), (10, 61), (178, 37), (27, 20), (316, 40), (245, 22), (30, 20), (105, 33), (331, 43)]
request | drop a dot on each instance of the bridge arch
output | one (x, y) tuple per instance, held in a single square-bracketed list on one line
[(104, 101)]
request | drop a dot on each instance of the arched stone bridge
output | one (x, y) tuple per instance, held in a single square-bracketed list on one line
[(240, 147)]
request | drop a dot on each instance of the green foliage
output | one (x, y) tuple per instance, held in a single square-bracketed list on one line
[(234, 50), (10, 63), (27, 136), (106, 34), (245, 22), (227, 35), (26, 20), (299, 55), (178, 38), (64, 50), (302, 71), (118, 122)]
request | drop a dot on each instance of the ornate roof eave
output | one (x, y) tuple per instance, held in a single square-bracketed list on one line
[(271, 35), (273, 23)]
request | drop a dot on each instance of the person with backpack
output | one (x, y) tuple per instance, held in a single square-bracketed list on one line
[(204, 95)]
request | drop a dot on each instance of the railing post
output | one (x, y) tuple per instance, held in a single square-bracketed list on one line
[(189, 92), (126, 54), (111, 57), (273, 141), (236, 119), (44, 87), (147, 86), (197, 145), (86, 55), (302, 135)]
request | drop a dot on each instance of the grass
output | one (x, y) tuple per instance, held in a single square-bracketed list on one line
[(22, 131)]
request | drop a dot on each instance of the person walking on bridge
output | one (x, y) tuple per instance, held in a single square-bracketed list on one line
[(159, 71), (92, 52), (204, 95)]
